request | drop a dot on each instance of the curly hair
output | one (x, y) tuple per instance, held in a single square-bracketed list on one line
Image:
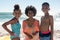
[(30, 8)]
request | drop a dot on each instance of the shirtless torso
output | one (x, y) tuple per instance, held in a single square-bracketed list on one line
[(46, 22)]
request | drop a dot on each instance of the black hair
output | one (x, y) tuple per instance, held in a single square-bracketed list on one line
[(45, 3), (30, 8), (16, 7)]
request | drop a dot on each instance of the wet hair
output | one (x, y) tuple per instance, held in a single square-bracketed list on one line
[(45, 3), (30, 8), (16, 7)]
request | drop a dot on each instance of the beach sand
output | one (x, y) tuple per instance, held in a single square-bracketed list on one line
[(7, 37)]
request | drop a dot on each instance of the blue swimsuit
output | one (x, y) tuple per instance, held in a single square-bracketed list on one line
[(16, 30)]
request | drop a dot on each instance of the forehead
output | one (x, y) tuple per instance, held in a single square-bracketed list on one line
[(45, 6), (30, 11), (16, 11)]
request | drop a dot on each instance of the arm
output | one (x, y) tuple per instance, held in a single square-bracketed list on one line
[(28, 35), (7, 23), (51, 23)]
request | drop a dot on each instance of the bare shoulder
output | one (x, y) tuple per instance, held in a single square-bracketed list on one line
[(25, 21), (12, 21), (36, 20), (50, 16), (42, 17)]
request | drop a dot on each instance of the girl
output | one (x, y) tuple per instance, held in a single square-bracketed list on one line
[(15, 25), (30, 25)]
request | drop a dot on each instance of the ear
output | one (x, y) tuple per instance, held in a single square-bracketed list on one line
[(42, 9)]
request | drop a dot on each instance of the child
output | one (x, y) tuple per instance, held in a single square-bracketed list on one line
[(30, 25), (15, 25), (46, 23)]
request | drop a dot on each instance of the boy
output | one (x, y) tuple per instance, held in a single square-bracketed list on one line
[(46, 23)]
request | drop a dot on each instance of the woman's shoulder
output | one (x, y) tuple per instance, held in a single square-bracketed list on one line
[(25, 20), (36, 20)]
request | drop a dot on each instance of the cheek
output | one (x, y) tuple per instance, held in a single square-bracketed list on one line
[(15, 15), (18, 15), (31, 15), (28, 14), (44, 10)]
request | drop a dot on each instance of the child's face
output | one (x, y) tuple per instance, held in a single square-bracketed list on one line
[(30, 14), (45, 8), (17, 13)]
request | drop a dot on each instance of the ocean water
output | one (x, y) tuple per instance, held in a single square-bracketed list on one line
[(6, 16)]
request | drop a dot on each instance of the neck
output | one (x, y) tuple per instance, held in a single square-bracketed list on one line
[(30, 18), (46, 14)]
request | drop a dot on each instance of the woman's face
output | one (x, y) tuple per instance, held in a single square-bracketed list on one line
[(30, 14), (17, 13)]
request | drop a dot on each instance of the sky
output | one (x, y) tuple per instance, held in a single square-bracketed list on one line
[(8, 5)]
